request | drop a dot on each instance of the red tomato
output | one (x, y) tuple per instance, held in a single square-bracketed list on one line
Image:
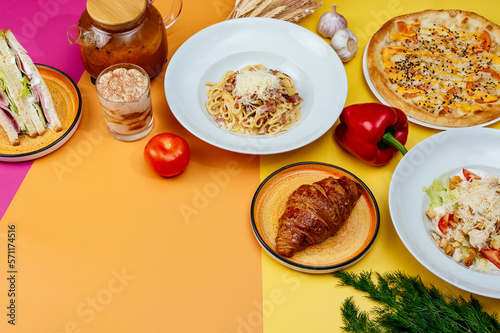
[(492, 255), (444, 222), (167, 154), (485, 40), (470, 176)]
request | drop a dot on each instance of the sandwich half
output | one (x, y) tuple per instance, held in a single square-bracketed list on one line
[(30, 106), (10, 118)]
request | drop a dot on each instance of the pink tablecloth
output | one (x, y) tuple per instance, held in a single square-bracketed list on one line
[(40, 26)]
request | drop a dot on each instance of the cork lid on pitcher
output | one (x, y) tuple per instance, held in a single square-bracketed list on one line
[(116, 14)]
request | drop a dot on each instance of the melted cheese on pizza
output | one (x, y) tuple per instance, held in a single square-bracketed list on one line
[(442, 71)]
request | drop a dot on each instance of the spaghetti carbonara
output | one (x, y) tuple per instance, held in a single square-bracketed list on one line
[(254, 100)]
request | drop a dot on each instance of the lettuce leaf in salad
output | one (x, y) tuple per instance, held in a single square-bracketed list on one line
[(439, 192)]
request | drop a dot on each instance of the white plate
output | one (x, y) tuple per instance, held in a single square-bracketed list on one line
[(313, 65), (434, 157), (349, 245), (415, 121)]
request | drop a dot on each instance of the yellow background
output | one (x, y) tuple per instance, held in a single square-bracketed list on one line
[(105, 245), (313, 306)]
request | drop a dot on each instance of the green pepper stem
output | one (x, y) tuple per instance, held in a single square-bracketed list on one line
[(389, 139)]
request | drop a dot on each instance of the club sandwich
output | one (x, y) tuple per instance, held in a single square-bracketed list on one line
[(26, 105)]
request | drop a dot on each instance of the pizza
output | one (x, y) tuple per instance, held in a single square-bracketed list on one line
[(441, 67)]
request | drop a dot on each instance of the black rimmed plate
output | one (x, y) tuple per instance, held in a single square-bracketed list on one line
[(341, 250), (68, 103)]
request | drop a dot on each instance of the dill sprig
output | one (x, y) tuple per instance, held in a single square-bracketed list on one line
[(405, 304)]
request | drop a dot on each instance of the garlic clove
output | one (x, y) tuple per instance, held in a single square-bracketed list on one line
[(331, 22), (345, 43)]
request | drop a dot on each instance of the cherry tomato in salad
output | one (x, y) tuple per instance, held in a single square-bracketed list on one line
[(444, 222), (167, 154), (492, 255), (470, 176)]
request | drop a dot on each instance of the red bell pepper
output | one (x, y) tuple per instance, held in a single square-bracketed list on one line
[(372, 132)]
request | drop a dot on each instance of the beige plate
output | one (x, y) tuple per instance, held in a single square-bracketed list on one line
[(68, 103), (341, 250)]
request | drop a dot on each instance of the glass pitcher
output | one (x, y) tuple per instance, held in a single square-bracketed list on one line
[(123, 31)]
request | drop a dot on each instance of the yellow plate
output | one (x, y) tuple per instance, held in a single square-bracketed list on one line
[(68, 104), (339, 251)]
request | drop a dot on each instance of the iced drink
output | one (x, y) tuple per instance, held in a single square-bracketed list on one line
[(124, 93)]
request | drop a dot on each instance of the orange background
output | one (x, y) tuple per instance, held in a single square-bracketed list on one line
[(105, 245)]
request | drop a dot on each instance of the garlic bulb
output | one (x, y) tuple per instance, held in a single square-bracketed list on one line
[(345, 43), (331, 22)]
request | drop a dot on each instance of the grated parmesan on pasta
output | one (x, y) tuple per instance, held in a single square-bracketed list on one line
[(253, 85)]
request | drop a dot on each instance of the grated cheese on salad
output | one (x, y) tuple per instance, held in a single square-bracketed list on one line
[(465, 216), (479, 204)]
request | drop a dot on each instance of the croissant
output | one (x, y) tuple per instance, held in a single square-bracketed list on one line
[(315, 212)]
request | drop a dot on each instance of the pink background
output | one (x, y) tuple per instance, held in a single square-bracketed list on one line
[(44, 37)]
